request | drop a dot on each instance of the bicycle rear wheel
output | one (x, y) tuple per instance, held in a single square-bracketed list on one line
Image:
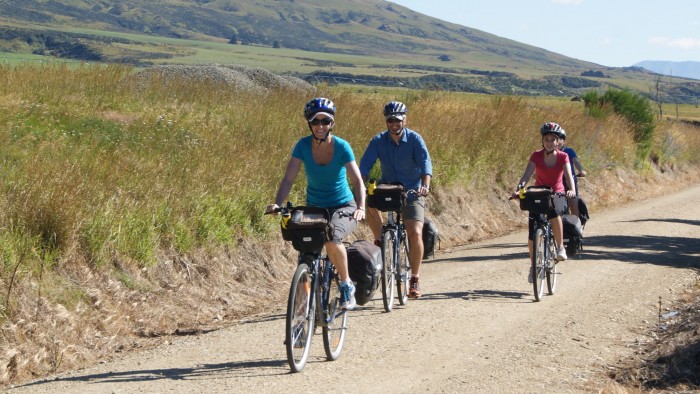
[(403, 271), (552, 270), (336, 320), (388, 270), (538, 263), (300, 319)]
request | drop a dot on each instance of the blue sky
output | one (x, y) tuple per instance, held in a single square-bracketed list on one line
[(616, 33)]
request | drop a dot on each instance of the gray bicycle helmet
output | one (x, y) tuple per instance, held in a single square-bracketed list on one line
[(562, 134), (395, 109)]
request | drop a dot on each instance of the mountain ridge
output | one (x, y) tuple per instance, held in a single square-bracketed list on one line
[(684, 69), (314, 37)]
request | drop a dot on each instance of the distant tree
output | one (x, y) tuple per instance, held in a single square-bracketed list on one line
[(591, 73), (276, 44), (234, 36), (444, 58)]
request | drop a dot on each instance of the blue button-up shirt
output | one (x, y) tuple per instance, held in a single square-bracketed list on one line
[(405, 162)]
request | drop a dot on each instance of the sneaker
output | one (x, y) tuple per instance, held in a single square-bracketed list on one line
[(414, 288), (347, 296), (561, 254), (530, 277)]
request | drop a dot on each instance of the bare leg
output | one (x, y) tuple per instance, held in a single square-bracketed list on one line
[(414, 230), (374, 219), (557, 230), (339, 257)]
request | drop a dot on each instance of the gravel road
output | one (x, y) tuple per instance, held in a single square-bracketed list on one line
[(476, 329)]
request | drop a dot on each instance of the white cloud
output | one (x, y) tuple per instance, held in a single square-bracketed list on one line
[(677, 43), (606, 41)]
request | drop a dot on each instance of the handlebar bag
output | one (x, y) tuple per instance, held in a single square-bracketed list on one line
[(537, 200), (387, 197), (308, 229)]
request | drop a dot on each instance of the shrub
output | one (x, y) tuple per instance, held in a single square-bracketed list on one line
[(633, 107)]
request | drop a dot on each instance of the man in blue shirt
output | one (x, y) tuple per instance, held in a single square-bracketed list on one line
[(403, 157)]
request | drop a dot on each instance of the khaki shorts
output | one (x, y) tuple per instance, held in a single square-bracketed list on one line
[(414, 209), (343, 226)]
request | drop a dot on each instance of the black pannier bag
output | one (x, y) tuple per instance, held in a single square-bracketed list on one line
[(573, 234), (308, 228), (583, 211), (430, 238), (365, 267), (387, 197), (537, 200)]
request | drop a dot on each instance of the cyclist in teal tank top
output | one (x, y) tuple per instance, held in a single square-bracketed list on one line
[(328, 163)]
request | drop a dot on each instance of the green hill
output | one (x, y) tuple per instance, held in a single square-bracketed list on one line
[(376, 41)]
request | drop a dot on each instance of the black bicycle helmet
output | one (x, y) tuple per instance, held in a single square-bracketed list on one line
[(319, 104), (551, 128), (394, 108)]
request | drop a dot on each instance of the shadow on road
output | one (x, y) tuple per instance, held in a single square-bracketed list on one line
[(206, 371), (502, 251), (680, 252), (500, 296), (679, 221)]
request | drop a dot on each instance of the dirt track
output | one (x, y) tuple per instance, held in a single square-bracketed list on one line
[(477, 328)]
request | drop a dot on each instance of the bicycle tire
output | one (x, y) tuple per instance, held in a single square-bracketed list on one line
[(403, 271), (539, 254), (388, 275), (336, 320), (301, 320), (552, 267)]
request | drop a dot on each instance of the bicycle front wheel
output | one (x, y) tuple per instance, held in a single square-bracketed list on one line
[(539, 254), (300, 319), (403, 271), (336, 319), (552, 270), (388, 270)]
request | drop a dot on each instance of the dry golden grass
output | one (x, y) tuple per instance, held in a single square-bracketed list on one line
[(132, 209)]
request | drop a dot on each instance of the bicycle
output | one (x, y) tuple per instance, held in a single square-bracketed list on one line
[(313, 294), (538, 201), (390, 198)]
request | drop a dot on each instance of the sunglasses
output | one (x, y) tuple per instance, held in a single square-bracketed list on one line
[(393, 120), (324, 121)]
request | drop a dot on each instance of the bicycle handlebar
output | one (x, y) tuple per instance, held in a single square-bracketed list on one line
[(289, 207)]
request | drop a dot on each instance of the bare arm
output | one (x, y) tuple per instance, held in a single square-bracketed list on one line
[(578, 166), (569, 180), (359, 187), (287, 182), (529, 170), (424, 188)]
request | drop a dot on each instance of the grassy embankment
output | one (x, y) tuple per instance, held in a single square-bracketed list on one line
[(108, 184)]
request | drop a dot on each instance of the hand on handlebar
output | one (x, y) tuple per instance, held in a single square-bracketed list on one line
[(423, 190), (359, 214), (272, 209)]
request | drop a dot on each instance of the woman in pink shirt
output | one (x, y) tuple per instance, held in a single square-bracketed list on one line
[(550, 166)]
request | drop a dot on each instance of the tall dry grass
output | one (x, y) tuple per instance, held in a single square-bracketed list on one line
[(98, 166), (101, 171)]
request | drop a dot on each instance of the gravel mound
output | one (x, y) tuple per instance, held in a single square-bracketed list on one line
[(242, 78)]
